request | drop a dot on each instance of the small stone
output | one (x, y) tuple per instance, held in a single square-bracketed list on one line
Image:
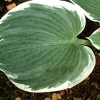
[(9, 0), (11, 6)]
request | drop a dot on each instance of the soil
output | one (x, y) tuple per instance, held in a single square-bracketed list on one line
[(89, 89)]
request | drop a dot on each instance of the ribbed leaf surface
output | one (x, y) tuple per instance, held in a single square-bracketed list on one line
[(95, 39), (39, 51), (91, 8)]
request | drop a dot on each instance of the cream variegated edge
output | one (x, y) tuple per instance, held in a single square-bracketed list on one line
[(52, 3), (87, 14), (68, 84), (95, 39)]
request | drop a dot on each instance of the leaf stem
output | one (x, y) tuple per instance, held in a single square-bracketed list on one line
[(84, 42)]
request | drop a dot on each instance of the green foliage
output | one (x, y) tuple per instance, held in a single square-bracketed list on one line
[(95, 39), (91, 8), (39, 48)]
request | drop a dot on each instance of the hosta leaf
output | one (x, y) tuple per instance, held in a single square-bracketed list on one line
[(91, 8), (39, 51), (95, 39)]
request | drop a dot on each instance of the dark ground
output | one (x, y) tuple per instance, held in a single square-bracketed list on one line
[(89, 89)]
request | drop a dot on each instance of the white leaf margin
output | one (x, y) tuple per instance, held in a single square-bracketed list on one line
[(85, 12), (52, 3), (97, 46), (68, 84)]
